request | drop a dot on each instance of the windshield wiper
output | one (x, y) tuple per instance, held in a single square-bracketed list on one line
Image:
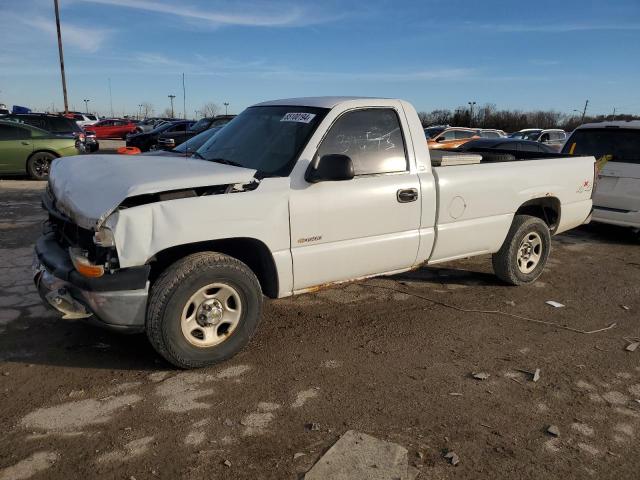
[(225, 162), (197, 155)]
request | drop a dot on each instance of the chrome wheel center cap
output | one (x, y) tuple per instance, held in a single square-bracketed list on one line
[(210, 313)]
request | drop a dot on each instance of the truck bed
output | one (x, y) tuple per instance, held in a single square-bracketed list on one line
[(476, 203)]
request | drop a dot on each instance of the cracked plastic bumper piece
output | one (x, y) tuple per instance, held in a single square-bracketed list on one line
[(101, 303)]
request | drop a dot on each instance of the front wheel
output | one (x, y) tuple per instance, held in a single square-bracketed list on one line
[(39, 164), (203, 310), (525, 251)]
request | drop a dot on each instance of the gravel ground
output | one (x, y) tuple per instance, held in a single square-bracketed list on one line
[(385, 357)]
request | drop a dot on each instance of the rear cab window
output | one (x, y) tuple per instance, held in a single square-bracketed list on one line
[(623, 145)]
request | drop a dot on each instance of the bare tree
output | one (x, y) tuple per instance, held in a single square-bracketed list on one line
[(209, 109), (146, 109), (166, 113)]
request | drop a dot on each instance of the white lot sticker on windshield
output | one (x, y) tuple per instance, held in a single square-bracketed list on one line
[(298, 117)]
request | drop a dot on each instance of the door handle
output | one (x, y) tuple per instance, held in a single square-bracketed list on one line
[(25, 143), (406, 195)]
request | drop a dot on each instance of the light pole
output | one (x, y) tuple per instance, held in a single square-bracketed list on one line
[(171, 97), (471, 104), (64, 81), (226, 108), (139, 111), (86, 105)]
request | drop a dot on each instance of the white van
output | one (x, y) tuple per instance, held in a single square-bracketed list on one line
[(617, 196)]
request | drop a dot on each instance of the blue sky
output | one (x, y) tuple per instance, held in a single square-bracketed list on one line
[(434, 53)]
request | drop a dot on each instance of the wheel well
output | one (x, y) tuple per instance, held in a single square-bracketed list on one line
[(44, 150), (254, 253), (546, 208)]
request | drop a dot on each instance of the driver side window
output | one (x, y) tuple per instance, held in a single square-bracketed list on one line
[(372, 138)]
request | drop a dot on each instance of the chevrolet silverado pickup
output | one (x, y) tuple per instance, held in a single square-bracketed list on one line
[(291, 195)]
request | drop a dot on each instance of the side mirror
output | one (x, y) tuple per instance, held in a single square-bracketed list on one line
[(330, 168)]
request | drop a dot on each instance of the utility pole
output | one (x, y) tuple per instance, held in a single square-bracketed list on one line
[(171, 97), (584, 112), (64, 81), (226, 108), (614, 114), (110, 98), (471, 104), (139, 111), (86, 105)]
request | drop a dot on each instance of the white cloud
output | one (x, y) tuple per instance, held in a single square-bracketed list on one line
[(85, 39), (274, 15)]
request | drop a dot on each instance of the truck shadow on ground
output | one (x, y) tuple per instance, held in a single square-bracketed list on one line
[(64, 344), (449, 276), (601, 233)]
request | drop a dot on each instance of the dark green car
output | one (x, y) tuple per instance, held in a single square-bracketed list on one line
[(30, 150)]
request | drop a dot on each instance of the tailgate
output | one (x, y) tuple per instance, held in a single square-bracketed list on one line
[(618, 187)]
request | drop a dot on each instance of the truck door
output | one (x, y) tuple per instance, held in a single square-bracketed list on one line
[(342, 230)]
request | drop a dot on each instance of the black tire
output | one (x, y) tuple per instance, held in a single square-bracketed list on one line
[(38, 165), (506, 264), (171, 294)]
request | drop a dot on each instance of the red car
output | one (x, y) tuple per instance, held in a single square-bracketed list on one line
[(112, 128)]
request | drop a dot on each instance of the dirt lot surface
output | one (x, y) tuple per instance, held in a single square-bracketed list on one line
[(373, 356)]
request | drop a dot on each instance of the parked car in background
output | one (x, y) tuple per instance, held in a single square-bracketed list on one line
[(149, 140), (189, 147), (505, 144), (617, 196), (490, 133), (30, 150), (169, 139), (435, 130), (149, 124), (83, 119), (113, 128), (90, 141), (553, 137), (452, 137), (55, 124)]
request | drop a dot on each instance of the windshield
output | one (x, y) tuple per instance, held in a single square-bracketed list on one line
[(432, 132), (532, 135), (200, 124), (622, 144), (162, 127), (194, 143), (267, 139)]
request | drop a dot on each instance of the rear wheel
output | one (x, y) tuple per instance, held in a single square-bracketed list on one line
[(39, 164), (525, 251), (203, 309)]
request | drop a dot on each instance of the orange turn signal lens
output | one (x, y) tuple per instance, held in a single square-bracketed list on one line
[(84, 266)]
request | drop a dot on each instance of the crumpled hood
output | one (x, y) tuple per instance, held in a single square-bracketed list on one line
[(88, 188)]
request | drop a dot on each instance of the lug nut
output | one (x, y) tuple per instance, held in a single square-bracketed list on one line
[(207, 307)]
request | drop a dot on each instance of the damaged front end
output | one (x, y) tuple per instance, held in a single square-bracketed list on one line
[(77, 272)]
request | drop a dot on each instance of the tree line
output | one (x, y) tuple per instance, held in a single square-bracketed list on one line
[(488, 116)]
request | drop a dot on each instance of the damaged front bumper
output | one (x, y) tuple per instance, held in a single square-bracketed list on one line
[(117, 301)]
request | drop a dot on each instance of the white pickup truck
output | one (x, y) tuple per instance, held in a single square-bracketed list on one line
[(290, 196)]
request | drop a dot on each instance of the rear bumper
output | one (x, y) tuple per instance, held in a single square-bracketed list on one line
[(117, 301), (621, 218)]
